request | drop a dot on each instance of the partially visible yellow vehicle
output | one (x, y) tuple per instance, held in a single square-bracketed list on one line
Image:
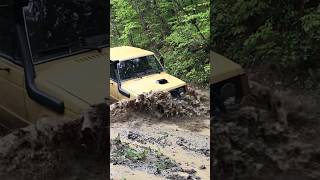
[(135, 71), (228, 80), (50, 66)]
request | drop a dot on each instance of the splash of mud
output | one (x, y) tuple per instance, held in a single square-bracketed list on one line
[(54, 149), (160, 105), (254, 143)]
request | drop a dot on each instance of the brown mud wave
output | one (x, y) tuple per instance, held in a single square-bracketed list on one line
[(160, 105), (254, 142), (54, 149)]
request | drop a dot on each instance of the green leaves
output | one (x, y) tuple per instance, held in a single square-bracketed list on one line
[(170, 28), (133, 154), (285, 33)]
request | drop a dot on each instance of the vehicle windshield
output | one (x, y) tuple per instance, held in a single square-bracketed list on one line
[(138, 67), (57, 28)]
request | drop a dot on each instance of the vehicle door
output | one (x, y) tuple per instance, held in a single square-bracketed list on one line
[(12, 92), (114, 93)]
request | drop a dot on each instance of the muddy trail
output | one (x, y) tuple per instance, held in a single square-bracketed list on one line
[(55, 149), (272, 135), (157, 136)]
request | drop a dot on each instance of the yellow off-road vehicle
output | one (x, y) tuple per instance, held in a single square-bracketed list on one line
[(53, 59), (228, 81), (136, 71)]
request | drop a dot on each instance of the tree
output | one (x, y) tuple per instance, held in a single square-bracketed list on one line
[(176, 30)]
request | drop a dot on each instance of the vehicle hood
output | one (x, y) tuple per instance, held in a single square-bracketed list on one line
[(223, 68), (150, 83), (78, 81)]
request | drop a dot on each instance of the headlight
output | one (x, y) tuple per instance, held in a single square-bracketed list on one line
[(181, 90), (178, 91)]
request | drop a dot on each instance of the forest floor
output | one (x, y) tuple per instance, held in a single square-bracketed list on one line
[(173, 143), (258, 141)]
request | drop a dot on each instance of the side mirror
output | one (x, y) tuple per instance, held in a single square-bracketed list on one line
[(162, 61)]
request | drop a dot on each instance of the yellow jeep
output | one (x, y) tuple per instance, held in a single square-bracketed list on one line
[(49, 65), (136, 71), (228, 80)]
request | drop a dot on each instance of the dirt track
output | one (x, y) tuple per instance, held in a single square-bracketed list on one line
[(167, 142)]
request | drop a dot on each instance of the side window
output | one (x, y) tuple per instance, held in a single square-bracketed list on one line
[(113, 71), (7, 29)]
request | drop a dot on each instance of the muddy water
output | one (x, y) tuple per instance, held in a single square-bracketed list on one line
[(188, 156), (183, 139), (119, 172)]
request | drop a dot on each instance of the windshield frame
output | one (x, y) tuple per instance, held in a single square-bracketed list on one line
[(82, 49), (135, 77)]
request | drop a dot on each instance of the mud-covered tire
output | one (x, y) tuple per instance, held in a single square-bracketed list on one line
[(217, 92)]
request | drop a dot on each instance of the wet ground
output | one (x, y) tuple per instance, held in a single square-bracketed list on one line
[(159, 137), (268, 137), (52, 149)]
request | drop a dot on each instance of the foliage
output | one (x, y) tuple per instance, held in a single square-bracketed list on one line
[(177, 30), (285, 33)]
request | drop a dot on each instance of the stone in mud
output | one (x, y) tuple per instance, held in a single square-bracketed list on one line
[(185, 144), (189, 171), (133, 136), (193, 177)]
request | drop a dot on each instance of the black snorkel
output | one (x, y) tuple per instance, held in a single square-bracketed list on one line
[(29, 72), (122, 91)]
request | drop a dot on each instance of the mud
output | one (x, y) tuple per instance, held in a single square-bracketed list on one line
[(53, 149), (146, 158), (160, 105), (254, 142), (173, 133)]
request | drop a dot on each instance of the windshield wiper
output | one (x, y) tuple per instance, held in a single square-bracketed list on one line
[(152, 71)]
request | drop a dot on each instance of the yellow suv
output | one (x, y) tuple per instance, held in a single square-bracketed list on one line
[(228, 81), (136, 71), (50, 66)]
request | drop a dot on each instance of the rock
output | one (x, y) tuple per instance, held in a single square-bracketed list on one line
[(189, 171), (133, 136)]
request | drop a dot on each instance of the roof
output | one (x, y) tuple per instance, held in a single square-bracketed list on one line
[(223, 68), (123, 53)]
